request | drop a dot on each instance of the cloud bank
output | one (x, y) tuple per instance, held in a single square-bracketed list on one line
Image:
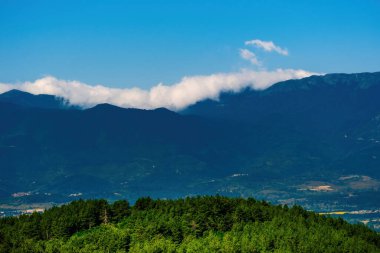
[(267, 46), (175, 97)]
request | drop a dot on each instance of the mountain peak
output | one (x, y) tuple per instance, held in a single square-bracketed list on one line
[(339, 80), (26, 99), (308, 96), (15, 92), (105, 107)]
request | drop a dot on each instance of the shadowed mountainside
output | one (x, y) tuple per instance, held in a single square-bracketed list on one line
[(320, 127)]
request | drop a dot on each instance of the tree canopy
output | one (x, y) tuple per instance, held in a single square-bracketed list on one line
[(197, 224)]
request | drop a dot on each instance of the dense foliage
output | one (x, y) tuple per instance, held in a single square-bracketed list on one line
[(201, 224)]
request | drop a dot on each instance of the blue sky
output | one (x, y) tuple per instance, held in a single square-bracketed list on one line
[(141, 43)]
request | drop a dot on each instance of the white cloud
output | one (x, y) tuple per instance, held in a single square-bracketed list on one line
[(249, 56), (268, 46), (4, 87), (177, 96)]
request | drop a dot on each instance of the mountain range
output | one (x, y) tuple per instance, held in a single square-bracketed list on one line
[(317, 137)]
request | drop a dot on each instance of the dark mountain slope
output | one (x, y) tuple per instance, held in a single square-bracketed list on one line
[(315, 129), (134, 151), (58, 150), (29, 100), (319, 103), (335, 111)]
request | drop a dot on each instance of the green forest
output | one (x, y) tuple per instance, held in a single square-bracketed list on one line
[(193, 224)]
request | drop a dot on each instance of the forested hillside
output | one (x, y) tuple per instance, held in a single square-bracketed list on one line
[(199, 224)]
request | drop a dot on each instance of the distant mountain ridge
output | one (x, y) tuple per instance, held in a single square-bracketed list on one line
[(318, 129), (330, 91), (25, 99)]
